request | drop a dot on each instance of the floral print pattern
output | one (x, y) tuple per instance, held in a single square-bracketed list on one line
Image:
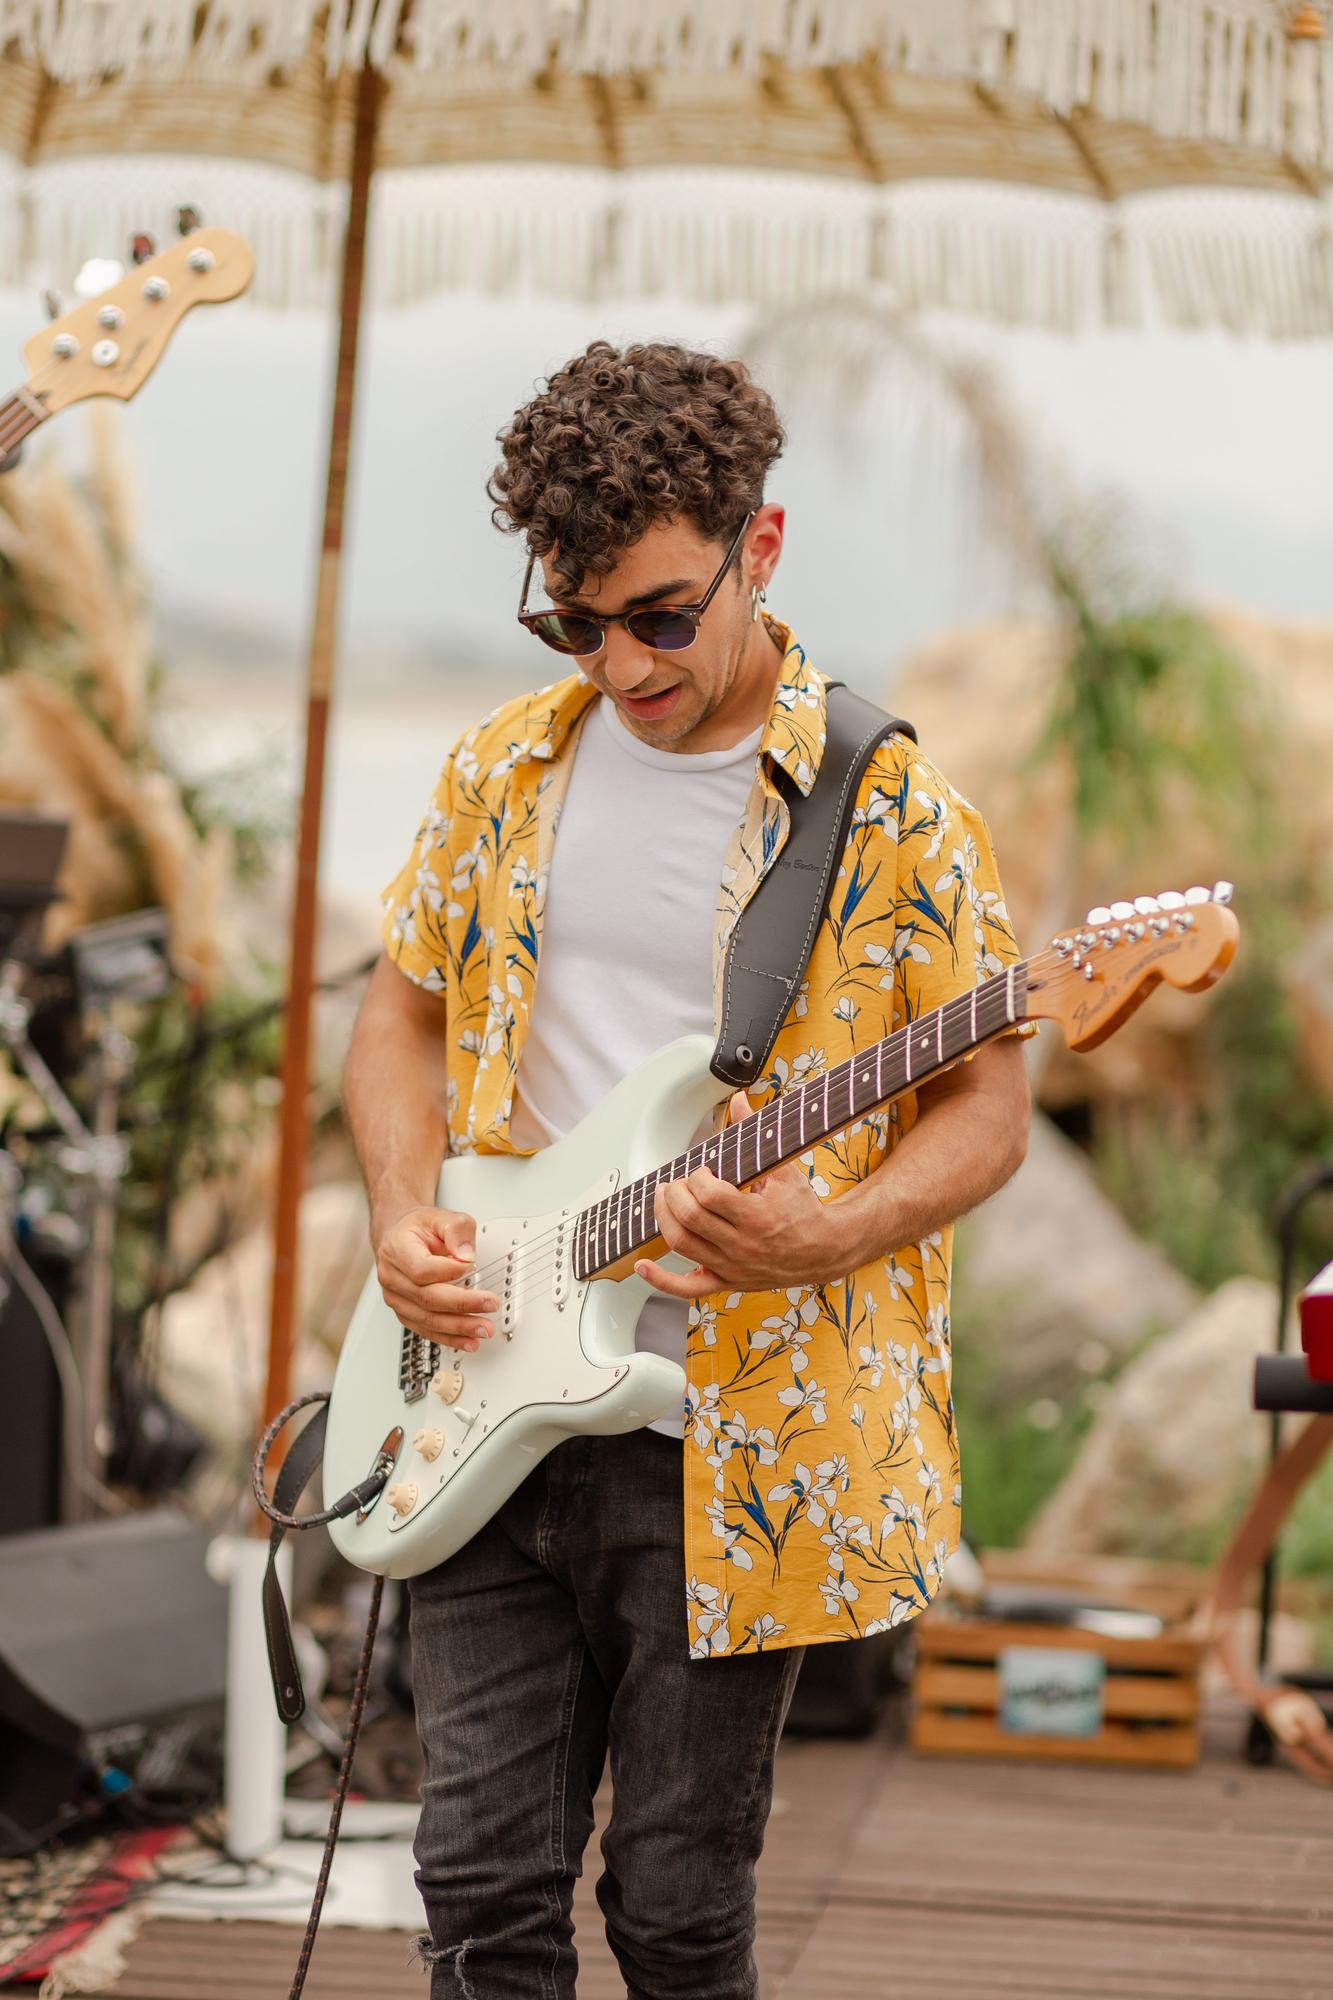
[(822, 1467)]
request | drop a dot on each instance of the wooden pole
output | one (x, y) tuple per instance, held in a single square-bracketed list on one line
[(294, 1119)]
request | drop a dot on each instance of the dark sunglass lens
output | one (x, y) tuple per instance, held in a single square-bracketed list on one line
[(567, 634), (667, 631)]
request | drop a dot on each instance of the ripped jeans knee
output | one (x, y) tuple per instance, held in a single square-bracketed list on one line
[(453, 1956)]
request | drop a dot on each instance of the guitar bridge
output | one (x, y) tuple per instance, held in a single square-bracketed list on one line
[(416, 1365)]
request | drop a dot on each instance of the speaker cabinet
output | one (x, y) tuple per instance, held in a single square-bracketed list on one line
[(112, 1665)]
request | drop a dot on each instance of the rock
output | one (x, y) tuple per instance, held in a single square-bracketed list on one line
[(1176, 1442), (1054, 1280), (215, 1334)]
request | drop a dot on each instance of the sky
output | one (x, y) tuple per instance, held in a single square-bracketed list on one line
[(1219, 450)]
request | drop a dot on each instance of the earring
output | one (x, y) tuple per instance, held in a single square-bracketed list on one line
[(758, 596)]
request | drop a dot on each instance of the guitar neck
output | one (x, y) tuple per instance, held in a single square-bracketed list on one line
[(609, 1231), (20, 415)]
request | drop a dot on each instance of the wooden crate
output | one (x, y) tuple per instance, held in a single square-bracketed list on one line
[(1150, 1699)]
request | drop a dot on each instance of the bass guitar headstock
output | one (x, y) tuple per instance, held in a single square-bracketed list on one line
[(109, 345), (1092, 979)]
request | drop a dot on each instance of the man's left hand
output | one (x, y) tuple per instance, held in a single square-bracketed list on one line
[(774, 1233)]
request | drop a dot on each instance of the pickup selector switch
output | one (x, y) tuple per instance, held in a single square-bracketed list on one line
[(428, 1443), (402, 1497)]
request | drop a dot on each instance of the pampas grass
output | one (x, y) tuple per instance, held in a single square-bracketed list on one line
[(75, 734)]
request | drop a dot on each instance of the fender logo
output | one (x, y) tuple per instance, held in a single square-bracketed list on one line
[(1106, 989)]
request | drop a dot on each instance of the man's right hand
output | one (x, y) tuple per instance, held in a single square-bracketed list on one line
[(421, 1261)]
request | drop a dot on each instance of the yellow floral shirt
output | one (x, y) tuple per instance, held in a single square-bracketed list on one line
[(822, 1487)]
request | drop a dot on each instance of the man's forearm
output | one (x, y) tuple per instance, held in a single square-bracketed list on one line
[(394, 1092), (964, 1145)]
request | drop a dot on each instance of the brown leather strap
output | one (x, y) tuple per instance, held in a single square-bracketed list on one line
[(1293, 1717)]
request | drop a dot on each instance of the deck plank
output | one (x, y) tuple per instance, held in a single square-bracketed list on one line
[(888, 1873)]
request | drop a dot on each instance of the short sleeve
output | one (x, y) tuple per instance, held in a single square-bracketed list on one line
[(416, 904), (952, 928)]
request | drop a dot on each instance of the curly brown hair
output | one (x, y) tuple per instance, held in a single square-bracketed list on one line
[(621, 438)]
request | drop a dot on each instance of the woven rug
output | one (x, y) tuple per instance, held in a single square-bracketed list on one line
[(67, 1912)]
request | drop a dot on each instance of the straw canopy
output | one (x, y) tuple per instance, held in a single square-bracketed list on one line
[(1023, 158)]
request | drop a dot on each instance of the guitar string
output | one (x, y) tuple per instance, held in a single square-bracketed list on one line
[(835, 1081), (22, 418), (539, 1272), (23, 430)]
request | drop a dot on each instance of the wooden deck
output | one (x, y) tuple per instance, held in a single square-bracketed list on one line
[(888, 1874)]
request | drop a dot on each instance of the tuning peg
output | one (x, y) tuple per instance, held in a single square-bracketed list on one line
[(188, 219), (1122, 912), (1098, 916), (1198, 895), (142, 247), (52, 304), (1147, 906), (1223, 892), (1171, 899), (11, 459)]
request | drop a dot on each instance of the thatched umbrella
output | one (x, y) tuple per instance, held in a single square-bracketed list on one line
[(1005, 156)]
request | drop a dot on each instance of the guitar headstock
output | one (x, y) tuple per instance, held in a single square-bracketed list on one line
[(1092, 979), (109, 345)]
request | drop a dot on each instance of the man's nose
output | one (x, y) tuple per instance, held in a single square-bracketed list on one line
[(625, 660)]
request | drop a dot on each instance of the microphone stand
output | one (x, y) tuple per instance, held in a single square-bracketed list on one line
[(96, 1157)]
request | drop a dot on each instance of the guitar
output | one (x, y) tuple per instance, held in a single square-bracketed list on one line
[(558, 1233), (109, 345)]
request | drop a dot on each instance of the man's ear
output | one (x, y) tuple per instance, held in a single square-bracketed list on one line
[(763, 544)]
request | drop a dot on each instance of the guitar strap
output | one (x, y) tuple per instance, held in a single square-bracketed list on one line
[(770, 946)]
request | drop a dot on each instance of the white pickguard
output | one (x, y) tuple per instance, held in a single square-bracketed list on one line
[(562, 1359)]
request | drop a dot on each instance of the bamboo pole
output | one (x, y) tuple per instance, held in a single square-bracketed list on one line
[(294, 1117)]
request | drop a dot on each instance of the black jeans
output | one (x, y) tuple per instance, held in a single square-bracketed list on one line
[(558, 1633)]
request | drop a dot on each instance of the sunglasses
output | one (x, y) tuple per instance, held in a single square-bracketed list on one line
[(666, 628)]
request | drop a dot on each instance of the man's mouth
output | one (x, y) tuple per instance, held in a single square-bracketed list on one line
[(648, 707)]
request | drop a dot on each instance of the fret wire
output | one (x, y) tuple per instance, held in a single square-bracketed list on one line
[(978, 1013)]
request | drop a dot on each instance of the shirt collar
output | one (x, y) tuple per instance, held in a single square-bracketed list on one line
[(793, 735)]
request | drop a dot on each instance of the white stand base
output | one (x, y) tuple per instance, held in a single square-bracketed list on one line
[(256, 1737)]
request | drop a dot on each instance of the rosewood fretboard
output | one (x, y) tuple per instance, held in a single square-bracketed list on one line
[(621, 1224)]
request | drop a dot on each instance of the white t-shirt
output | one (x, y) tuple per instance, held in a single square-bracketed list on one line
[(626, 962)]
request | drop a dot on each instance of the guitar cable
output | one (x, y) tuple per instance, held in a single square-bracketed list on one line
[(349, 1503)]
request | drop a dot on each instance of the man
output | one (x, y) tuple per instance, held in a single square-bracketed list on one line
[(649, 1595)]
